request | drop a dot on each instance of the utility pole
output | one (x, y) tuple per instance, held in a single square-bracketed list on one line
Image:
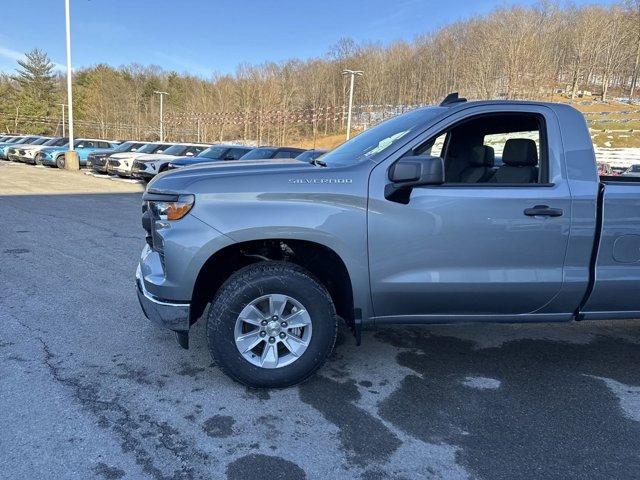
[(352, 74), (63, 131), (69, 79), (162, 94)]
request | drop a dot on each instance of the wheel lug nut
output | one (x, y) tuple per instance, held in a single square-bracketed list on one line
[(263, 334), (272, 339), (275, 317), (283, 324), (282, 334), (264, 323)]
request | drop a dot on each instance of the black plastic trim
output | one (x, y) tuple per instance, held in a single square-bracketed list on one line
[(489, 185), (594, 252)]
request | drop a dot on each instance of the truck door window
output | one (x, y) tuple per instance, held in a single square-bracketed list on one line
[(493, 149)]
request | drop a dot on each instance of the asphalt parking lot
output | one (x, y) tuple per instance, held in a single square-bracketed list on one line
[(89, 389)]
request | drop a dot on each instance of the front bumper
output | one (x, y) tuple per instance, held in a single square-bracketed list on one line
[(116, 167), (139, 170), (98, 165), (50, 162), (166, 314)]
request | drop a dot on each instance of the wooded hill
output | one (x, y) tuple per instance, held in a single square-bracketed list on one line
[(513, 52)]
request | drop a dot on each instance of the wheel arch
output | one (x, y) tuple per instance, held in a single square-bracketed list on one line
[(320, 260)]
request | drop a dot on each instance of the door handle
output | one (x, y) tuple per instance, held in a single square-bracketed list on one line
[(543, 211)]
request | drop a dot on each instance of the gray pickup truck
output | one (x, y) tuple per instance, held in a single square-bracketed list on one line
[(487, 211)]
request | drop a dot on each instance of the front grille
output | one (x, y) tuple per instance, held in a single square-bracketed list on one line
[(146, 224), (138, 166), (114, 163)]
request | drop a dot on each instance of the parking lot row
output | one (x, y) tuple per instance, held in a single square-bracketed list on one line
[(137, 159)]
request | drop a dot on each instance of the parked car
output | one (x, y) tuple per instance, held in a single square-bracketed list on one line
[(54, 156), (97, 161), (147, 166), (310, 155), (632, 171), (27, 154), (12, 151), (12, 140), (120, 163), (24, 140), (267, 153), (401, 224), (214, 153)]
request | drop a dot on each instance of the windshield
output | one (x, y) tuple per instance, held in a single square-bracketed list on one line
[(310, 155), (380, 138), (41, 141), (215, 153), (14, 139), (634, 169), (175, 150), (127, 147), (152, 148), (56, 142), (259, 153), (26, 140)]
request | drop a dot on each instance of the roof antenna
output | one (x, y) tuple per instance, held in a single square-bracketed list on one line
[(451, 99)]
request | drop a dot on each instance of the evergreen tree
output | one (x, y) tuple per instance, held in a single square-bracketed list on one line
[(36, 83)]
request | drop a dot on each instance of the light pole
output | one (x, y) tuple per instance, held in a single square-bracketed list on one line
[(162, 94), (69, 79), (352, 74), (63, 105)]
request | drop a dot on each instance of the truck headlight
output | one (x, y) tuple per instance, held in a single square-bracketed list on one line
[(172, 210)]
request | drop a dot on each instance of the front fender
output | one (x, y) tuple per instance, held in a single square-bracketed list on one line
[(334, 220)]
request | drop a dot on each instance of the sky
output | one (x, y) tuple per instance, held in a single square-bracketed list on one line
[(202, 37)]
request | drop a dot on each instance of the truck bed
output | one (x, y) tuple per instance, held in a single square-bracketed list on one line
[(615, 265)]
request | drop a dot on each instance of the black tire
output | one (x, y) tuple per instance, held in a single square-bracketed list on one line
[(60, 161), (261, 279)]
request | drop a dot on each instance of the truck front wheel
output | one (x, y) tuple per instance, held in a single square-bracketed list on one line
[(271, 325)]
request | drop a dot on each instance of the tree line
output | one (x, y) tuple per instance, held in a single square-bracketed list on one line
[(513, 52)]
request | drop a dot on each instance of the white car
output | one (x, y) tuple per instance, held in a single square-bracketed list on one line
[(120, 163), (148, 166), (30, 151)]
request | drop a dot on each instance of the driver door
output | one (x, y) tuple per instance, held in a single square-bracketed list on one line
[(465, 251)]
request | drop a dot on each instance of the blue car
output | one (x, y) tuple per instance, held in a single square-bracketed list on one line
[(54, 156), (22, 140), (214, 153)]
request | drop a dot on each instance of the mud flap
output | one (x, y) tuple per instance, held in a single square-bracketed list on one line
[(183, 339), (356, 328)]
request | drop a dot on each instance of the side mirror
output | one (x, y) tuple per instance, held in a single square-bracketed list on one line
[(410, 172)]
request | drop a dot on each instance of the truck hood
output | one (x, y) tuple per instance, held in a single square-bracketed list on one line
[(178, 180)]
